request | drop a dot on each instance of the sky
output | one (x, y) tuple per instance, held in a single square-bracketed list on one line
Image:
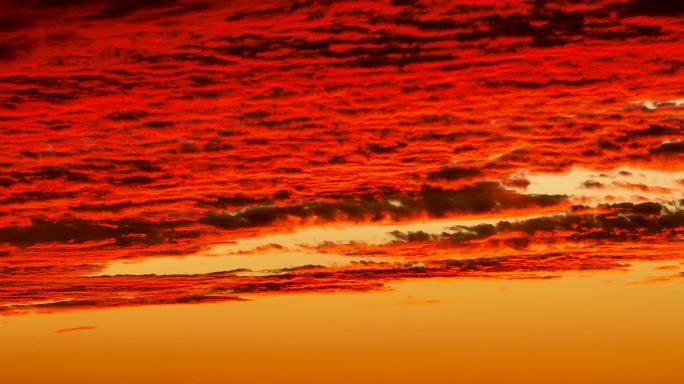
[(185, 152)]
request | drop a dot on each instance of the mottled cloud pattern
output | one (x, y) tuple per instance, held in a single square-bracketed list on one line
[(139, 129)]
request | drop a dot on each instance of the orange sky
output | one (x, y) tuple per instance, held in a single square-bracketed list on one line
[(225, 152)]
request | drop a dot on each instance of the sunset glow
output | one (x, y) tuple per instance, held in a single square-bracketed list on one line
[(329, 191)]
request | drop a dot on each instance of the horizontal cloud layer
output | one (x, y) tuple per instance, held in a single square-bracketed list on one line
[(137, 129)]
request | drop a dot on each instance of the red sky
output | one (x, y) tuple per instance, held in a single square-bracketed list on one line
[(135, 130)]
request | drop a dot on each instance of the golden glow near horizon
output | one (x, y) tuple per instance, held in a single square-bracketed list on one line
[(617, 327)]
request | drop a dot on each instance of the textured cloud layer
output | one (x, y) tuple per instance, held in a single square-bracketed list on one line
[(136, 129)]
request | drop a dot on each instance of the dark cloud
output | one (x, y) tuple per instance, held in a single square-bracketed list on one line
[(250, 217), (202, 81), (621, 222), (267, 12), (606, 144), (592, 184), (60, 3), (14, 50), (446, 137), (102, 207), (182, 9), (179, 58), (480, 264), (405, 3), (668, 148), (116, 207), (480, 198), (664, 8), (120, 8), (208, 60), (12, 23), (629, 32), (380, 149), (134, 180), (6, 182), (159, 124), (290, 122), (54, 97), (646, 208), (66, 304), (52, 172), (517, 182), (106, 301), (63, 231), (454, 173), (377, 50), (30, 196), (282, 194), (127, 115), (138, 164), (654, 130), (71, 230), (543, 84), (442, 24), (397, 57), (223, 202)]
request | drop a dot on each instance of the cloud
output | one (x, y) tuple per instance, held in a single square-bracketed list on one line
[(121, 8), (31, 196), (618, 222), (13, 23), (66, 230), (52, 172), (218, 201), (657, 8), (669, 148), (435, 201), (70, 230), (654, 130), (102, 302), (454, 173), (123, 122), (127, 115), (542, 84), (592, 184), (56, 3), (102, 207), (480, 198), (158, 124), (497, 251), (380, 149), (134, 180), (75, 329), (15, 50)]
